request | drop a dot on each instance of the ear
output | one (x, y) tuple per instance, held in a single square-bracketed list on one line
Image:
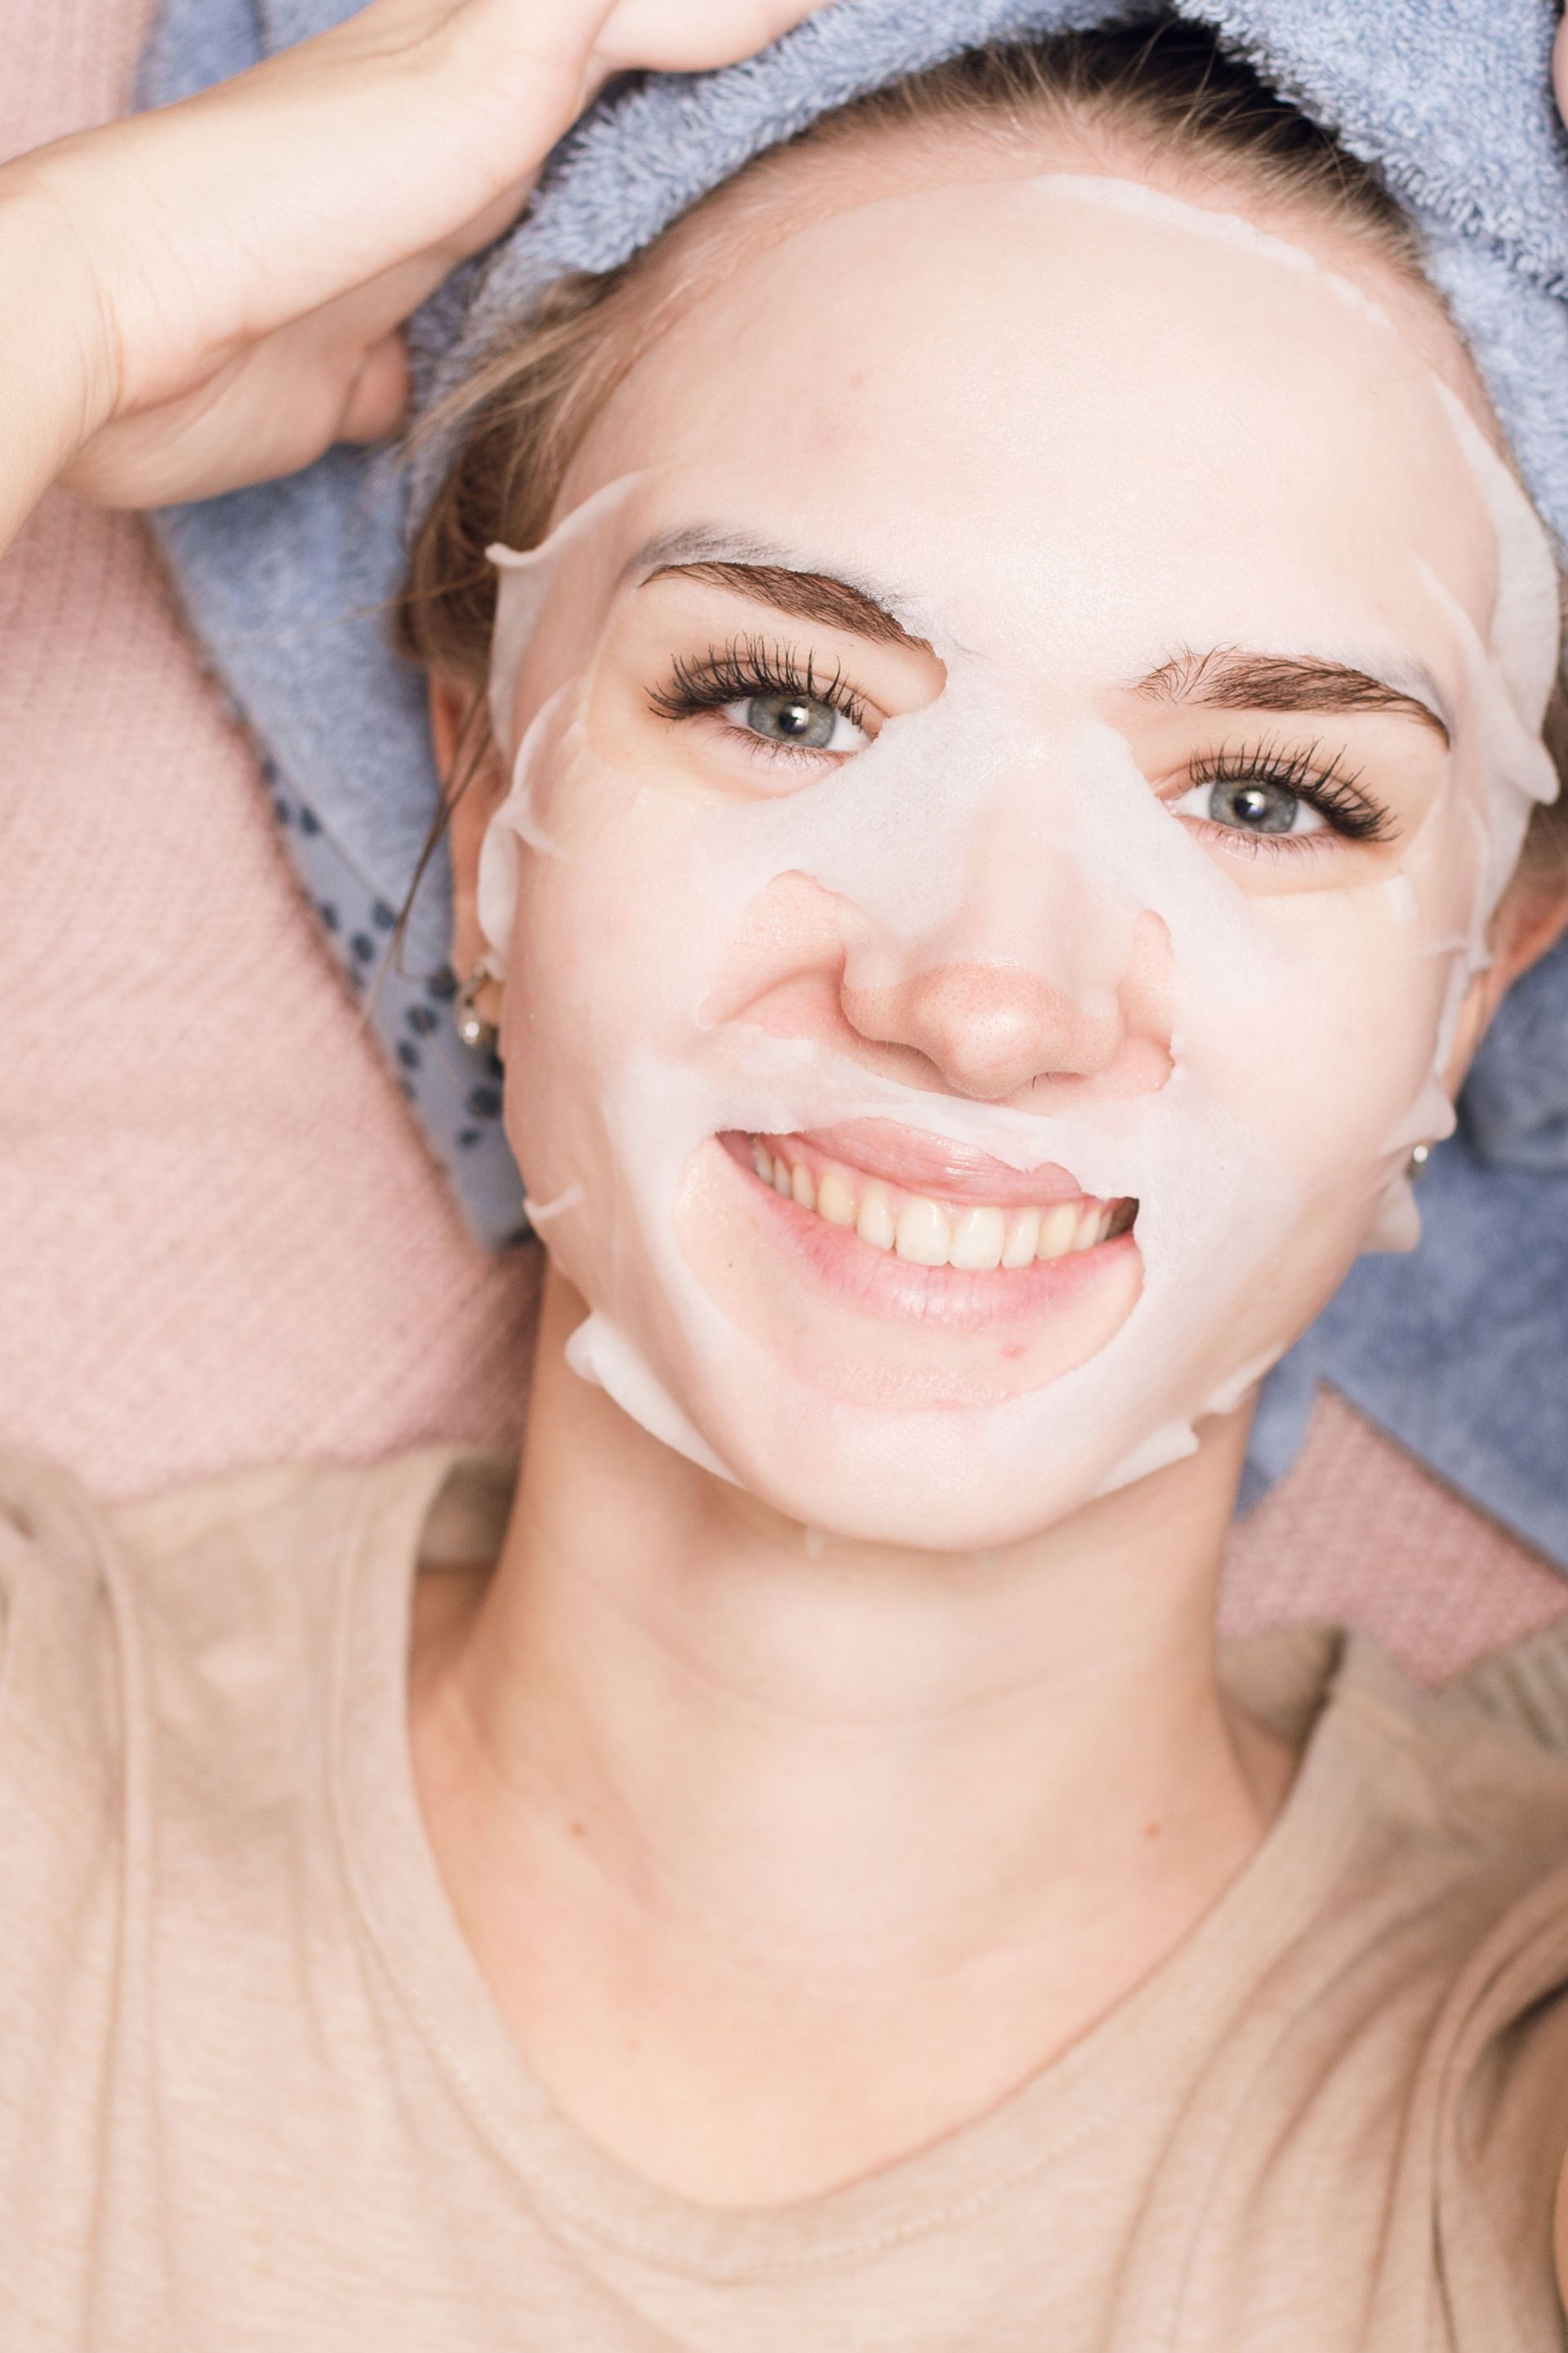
[(471, 779), (1533, 916)]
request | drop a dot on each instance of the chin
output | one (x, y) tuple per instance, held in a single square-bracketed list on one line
[(874, 1361), (944, 1481)]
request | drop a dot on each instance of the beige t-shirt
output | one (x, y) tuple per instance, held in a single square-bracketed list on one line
[(255, 2093)]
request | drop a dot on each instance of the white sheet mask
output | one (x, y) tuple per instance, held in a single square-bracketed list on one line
[(1006, 827)]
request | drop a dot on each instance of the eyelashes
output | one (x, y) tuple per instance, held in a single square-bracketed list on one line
[(1324, 785), (751, 666), (747, 666)]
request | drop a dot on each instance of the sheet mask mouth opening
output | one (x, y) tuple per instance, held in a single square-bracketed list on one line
[(973, 1236)]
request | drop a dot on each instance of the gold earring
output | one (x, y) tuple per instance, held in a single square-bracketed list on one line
[(472, 1028), (1416, 1166)]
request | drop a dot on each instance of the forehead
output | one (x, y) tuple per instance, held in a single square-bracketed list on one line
[(1066, 405)]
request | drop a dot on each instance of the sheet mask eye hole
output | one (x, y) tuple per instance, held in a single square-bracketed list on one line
[(1253, 804), (803, 723)]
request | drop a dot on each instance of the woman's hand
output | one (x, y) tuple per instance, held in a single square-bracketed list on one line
[(211, 294)]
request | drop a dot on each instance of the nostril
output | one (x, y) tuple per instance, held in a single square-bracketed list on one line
[(987, 1030), (991, 1030)]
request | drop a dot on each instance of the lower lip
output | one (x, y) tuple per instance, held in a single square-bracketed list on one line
[(880, 1283)]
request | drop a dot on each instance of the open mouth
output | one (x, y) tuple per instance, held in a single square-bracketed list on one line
[(974, 1235)]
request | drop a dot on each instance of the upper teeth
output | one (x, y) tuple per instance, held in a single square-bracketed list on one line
[(930, 1233)]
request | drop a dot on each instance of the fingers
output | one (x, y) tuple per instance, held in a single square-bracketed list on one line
[(251, 311), (694, 36)]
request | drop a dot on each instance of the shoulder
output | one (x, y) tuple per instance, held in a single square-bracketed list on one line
[(281, 1519), (170, 1676), (1524, 1687), (1471, 1774), (1527, 1688), (1433, 1825), (178, 1613), (1425, 1992)]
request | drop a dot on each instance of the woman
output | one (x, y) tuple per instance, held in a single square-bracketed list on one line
[(1015, 783)]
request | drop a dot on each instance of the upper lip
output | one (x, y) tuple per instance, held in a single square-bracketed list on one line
[(938, 1167)]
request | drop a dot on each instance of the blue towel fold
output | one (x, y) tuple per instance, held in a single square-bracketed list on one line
[(1460, 1351)]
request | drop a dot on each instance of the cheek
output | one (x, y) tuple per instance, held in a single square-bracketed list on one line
[(605, 902), (1329, 1057), (610, 955)]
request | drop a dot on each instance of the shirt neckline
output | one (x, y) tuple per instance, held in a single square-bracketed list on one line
[(404, 1910)]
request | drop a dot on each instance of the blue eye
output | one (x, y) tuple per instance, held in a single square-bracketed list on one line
[(803, 723), (1255, 805), (770, 693), (1276, 792)]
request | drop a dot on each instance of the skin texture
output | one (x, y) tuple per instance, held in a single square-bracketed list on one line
[(839, 1840)]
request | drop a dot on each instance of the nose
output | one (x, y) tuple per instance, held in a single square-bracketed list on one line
[(1033, 960), (991, 1028), (987, 1029)]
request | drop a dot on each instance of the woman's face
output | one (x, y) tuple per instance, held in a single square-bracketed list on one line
[(1017, 768)]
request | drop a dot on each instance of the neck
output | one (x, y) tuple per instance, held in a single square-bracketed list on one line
[(832, 1773)]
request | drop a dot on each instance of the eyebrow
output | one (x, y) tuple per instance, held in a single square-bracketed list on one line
[(1233, 678), (1226, 678), (765, 574)]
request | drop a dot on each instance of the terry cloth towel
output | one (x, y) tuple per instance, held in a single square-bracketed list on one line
[(1459, 1351)]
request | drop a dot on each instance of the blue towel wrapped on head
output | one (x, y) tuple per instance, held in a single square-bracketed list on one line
[(1460, 1350)]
